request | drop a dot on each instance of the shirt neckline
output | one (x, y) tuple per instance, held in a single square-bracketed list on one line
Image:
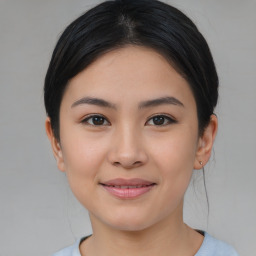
[(205, 234)]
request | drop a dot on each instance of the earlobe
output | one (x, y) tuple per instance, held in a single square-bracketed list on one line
[(205, 143), (56, 148)]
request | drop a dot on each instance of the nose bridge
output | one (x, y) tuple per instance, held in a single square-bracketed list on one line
[(127, 148), (128, 139)]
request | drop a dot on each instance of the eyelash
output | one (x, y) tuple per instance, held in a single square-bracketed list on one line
[(169, 119)]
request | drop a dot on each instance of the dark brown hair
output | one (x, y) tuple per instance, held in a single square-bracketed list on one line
[(114, 24)]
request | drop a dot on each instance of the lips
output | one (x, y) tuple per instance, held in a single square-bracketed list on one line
[(127, 188)]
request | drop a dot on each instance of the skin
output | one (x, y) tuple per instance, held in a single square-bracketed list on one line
[(129, 144)]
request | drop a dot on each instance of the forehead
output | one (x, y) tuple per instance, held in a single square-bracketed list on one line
[(129, 72)]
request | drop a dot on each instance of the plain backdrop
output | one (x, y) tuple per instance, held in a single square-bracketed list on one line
[(38, 213)]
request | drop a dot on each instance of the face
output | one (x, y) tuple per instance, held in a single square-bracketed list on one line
[(129, 139)]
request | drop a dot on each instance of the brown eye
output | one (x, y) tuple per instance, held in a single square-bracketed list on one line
[(95, 120), (161, 120)]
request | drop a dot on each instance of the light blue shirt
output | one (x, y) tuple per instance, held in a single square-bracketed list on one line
[(210, 247)]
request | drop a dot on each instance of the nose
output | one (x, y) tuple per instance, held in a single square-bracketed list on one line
[(127, 149)]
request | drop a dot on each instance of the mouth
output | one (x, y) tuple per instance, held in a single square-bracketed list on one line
[(127, 189)]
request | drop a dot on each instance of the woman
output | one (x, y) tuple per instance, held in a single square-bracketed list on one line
[(130, 94)]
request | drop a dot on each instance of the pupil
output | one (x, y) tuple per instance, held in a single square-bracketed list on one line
[(158, 120), (98, 120)]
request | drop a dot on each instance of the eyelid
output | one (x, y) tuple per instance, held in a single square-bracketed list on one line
[(171, 119), (86, 118)]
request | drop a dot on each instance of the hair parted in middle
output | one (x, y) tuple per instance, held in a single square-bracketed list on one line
[(148, 23)]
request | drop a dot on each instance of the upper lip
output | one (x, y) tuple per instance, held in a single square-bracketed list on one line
[(127, 182)]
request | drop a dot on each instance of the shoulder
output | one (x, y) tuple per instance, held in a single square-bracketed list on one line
[(214, 247), (72, 250)]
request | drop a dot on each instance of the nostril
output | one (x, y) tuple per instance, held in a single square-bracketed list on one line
[(127, 158), (126, 165), (116, 163)]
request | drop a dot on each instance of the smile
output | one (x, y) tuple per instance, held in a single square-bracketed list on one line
[(138, 186), (127, 189)]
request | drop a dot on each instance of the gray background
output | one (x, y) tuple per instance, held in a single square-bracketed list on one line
[(38, 213)]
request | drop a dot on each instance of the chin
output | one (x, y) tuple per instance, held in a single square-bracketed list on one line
[(130, 227), (130, 223)]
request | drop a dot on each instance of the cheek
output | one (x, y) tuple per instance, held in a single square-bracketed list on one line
[(81, 150), (175, 160), (175, 150), (83, 156)]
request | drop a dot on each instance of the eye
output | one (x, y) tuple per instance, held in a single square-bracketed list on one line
[(161, 120), (95, 120)]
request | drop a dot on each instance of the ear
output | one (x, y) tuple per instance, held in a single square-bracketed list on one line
[(56, 148), (205, 143)]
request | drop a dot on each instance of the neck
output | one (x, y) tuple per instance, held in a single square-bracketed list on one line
[(171, 236)]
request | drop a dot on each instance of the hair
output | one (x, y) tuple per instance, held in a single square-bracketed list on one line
[(148, 23)]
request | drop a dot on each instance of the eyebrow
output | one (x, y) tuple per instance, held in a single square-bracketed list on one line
[(94, 101), (143, 104), (160, 101)]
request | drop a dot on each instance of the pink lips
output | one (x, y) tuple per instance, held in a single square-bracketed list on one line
[(128, 188)]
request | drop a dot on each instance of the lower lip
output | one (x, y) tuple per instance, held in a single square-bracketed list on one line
[(128, 193)]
